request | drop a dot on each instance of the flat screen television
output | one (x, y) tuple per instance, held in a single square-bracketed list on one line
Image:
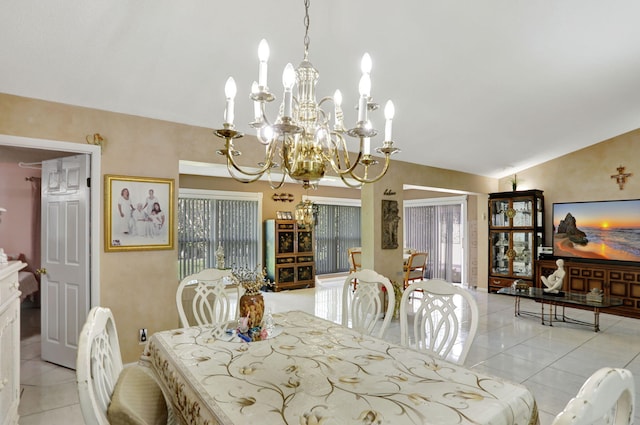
[(599, 230)]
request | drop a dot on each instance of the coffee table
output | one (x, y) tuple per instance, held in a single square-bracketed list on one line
[(567, 299)]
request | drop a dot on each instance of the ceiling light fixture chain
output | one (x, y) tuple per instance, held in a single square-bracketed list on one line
[(301, 142), (307, 40)]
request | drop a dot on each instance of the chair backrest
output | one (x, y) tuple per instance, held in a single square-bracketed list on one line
[(355, 259), (208, 297), (98, 365), (364, 305), (444, 315), (607, 397), (414, 269)]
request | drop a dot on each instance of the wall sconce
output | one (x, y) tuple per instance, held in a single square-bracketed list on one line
[(95, 139), (283, 197)]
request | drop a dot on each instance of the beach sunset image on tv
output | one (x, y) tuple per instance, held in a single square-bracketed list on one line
[(606, 230)]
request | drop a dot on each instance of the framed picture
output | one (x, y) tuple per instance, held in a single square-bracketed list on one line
[(139, 213), (279, 215)]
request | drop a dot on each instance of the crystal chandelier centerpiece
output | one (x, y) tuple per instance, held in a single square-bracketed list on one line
[(301, 142)]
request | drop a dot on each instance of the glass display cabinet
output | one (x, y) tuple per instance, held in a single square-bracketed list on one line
[(516, 231)]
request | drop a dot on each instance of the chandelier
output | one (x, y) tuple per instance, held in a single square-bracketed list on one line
[(306, 212), (301, 142)]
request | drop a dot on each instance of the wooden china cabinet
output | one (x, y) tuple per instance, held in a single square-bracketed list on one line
[(289, 254), (516, 231)]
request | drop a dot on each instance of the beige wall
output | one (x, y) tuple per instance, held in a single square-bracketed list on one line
[(585, 175), (139, 286)]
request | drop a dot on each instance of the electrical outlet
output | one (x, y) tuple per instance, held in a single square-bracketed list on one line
[(142, 335)]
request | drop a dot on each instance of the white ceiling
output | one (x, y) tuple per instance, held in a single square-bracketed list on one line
[(487, 87)]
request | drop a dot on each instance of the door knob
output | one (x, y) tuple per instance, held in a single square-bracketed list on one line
[(41, 271)]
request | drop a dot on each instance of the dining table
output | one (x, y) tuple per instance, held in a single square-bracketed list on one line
[(311, 371)]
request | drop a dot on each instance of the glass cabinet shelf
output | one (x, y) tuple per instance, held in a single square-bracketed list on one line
[(516, 231)]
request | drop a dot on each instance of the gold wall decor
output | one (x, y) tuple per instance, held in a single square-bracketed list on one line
[(621, 177), (95, 139), (283, 197)]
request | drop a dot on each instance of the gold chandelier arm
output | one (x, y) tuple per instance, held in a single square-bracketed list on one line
[(279, 184), (231, 171), (335, 161), (357, 185), (230, 152), (365, 178)]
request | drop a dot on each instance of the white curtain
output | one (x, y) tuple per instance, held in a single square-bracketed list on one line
[(203, 223), (337, 230), (436, 229)]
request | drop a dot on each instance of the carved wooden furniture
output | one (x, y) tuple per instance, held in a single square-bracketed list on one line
[(607, 396), (9, 342), (437, 321), (108, 392), (289, 254), (208, 296), (613, 279), (363, 307), (516, 231)]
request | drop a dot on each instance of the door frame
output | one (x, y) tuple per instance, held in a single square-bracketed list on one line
[(461, 200), (96, 196)]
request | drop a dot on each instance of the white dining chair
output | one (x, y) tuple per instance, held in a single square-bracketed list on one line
[(606, 397), (363, 307), (108, 392), (443, 315), (208, 297)]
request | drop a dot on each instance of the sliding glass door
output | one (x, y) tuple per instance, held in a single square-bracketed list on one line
[(437, 226)]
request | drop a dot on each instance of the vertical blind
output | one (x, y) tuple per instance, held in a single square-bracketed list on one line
[(435, 229), (337, 230), (204, 223)]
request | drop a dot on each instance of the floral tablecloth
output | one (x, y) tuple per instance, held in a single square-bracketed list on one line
[(319, 372)]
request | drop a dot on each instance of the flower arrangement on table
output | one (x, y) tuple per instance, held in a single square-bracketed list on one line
[(251, 304), (398, 288)]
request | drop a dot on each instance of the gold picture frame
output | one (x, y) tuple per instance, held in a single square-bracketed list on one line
[(139, 213)]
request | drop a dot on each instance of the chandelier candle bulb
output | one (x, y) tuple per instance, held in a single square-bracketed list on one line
[(263, 55), (230, 93), (337, 101), (389, 112), (256, 104), (365, 89), (288, 79), (366, 64)]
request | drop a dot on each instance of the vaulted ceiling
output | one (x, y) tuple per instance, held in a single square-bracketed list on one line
[(486, 87)]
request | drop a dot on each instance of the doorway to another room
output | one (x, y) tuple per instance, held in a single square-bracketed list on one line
[(438, 227), (15, 149)]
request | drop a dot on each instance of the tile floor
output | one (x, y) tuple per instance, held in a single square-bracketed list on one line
[(552, 362)]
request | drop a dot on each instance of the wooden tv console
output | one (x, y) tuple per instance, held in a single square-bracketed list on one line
[(615, 280)]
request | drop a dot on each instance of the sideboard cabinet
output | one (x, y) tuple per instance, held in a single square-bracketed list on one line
[(516, 231), (619, 281), (289, 254), (9, 342)]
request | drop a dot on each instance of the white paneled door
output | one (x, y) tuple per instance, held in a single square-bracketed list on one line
[(65, 256)]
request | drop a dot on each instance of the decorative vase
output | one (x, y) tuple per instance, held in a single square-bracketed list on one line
[(252, 307)]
